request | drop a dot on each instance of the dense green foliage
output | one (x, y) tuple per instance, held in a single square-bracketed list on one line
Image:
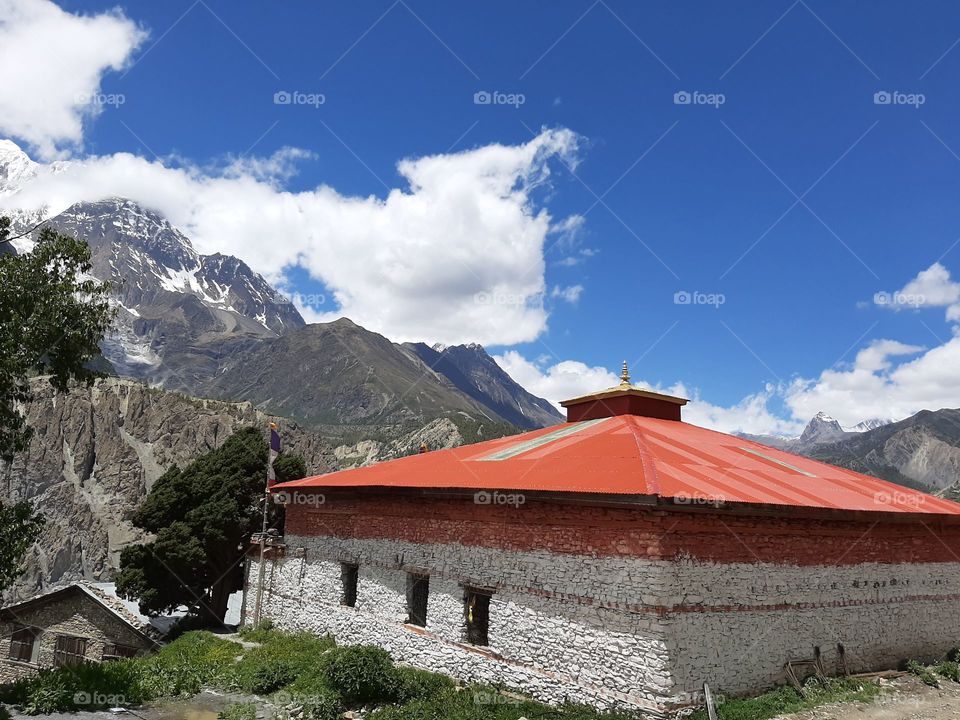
[(326, 681), (239, 711), (52, 319), (361, 674), (201, 518), (19, 528), (931, 674), (785, 699)]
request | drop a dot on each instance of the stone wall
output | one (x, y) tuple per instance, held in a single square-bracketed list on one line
[(75, 615), (544, 637), (609, 606)]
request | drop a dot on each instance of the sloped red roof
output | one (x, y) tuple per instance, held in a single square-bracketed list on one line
[(636, 455)]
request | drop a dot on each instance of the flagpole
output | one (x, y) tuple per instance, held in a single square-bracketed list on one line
[(263, 544)]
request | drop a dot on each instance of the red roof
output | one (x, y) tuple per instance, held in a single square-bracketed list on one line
[(637, 455)]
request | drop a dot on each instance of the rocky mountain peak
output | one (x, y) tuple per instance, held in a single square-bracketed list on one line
[(822, 428)]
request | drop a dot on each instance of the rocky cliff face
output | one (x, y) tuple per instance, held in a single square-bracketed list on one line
[(95, 454), (921, 451), (472, 371), (97, 451)]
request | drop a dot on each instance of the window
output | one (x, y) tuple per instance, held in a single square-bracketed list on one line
[(21, 644), (418, 588), (115, 652), (69, 651), (476, 606), (348, 576)]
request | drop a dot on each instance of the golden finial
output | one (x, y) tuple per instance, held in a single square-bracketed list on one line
[(624, 375)]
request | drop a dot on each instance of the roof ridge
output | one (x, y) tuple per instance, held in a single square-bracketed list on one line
[(646, 458)]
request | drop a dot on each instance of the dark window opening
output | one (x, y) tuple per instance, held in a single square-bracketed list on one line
[(476, 606), (116, 652), (69, 651), (21, 644), (348, 576), (418, 589)]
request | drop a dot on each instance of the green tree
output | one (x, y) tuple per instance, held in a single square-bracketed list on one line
[(201, 518), (19, 528), (53, 315), (52, 318)]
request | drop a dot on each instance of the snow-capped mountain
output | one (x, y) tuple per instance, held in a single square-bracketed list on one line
[(209, 326), (174, 305), (871, 424), (16, 167)]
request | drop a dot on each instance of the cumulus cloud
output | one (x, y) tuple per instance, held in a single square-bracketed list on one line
[(51, 64), (560, 381), (932, 287), (456, 256), (876, 386), (570, 378)]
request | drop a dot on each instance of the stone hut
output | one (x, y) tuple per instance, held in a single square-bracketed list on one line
[(67, 626)]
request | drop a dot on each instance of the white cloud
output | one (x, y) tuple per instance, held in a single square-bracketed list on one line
[(571, 378), (457, 257), (932, 287), (561, 381), (876, 387), (570, 294), (51, 63)]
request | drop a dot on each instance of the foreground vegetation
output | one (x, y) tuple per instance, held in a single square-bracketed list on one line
[(292, 670), (786, 699), (310, 677)]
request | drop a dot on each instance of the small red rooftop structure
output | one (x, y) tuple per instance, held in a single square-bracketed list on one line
[(623, 558)]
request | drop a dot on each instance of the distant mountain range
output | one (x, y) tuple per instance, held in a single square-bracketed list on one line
[(922, 451), (209, 326), (194, 326)]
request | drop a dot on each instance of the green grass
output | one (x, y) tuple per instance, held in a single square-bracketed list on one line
[(239, 711), (786, 699), (299, 670)]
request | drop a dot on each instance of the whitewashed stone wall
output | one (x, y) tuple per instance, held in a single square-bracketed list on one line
[(741, 622), (617, 631), (546, 637)]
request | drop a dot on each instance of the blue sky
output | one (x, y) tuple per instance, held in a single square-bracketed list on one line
[(783, 194)]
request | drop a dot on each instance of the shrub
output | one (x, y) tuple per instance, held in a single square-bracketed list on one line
[(195, 660), (409, 683), (82, 687), (280, 660), (239, 711), (924, 673), (266, 675), (360, 673), (948, 669), (322, 705)]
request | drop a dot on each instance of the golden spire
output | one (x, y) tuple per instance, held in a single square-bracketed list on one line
[(624, 375)]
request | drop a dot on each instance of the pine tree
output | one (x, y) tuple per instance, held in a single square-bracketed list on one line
[(201, 518)]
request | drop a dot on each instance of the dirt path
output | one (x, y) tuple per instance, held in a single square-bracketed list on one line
[(906, 698)]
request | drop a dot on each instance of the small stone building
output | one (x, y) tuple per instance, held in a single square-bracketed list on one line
[(67, 626), (623, 558)]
